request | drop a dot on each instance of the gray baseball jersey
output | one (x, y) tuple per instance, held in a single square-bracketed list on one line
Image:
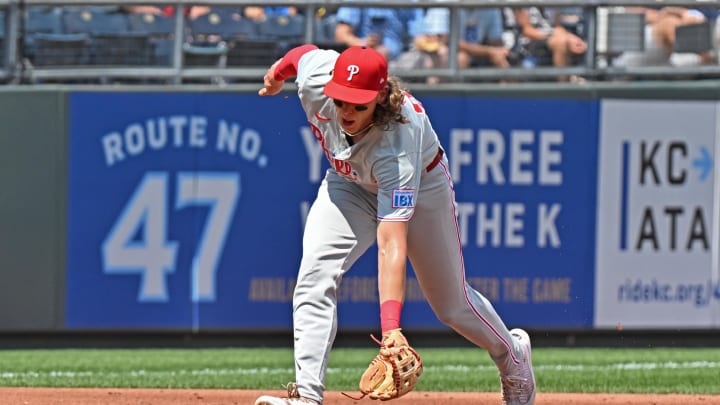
[(392, 174), (386, 163)]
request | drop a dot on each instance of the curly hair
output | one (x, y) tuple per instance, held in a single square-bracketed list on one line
[(389, 112)]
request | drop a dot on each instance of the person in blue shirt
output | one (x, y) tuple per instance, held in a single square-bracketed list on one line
[(387, 30), (480, 41), (481, 38), (259, 14)]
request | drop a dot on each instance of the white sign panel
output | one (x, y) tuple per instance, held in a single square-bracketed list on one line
[(654, 256)]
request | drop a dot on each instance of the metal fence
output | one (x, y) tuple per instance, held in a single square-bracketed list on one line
[(608, 30)]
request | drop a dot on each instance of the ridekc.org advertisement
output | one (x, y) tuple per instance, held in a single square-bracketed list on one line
[(657, 223), (186, 210)]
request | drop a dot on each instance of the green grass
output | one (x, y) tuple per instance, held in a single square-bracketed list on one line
[(661, 370)]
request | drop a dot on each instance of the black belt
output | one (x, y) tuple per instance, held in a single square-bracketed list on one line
[(436, 159)]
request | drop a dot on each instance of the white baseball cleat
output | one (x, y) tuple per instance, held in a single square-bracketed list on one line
[(293, 398), (518, 386)]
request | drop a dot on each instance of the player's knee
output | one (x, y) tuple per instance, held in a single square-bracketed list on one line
[(452, 318)]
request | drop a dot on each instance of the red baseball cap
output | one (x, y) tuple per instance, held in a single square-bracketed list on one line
[(359, 74)]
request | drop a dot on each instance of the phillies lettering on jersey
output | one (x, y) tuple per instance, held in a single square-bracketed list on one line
[(342, 167)]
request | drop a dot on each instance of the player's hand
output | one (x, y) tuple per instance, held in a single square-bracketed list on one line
[(271, 86), (394, 371)]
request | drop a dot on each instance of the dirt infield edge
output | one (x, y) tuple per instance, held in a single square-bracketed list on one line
[(123, 396)]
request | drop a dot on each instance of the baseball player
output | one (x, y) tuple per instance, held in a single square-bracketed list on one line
[(389, 182)]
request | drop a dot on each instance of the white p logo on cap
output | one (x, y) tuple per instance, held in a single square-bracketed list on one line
[(352, 71)]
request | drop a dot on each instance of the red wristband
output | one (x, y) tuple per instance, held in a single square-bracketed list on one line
[(390, 315)]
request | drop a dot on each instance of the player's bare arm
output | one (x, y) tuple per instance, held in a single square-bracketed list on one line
[(392, 256)]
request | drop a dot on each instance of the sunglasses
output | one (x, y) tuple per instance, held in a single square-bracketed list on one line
[(340, 104)]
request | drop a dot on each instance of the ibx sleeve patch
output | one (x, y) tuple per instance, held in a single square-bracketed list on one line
[(404, 198)]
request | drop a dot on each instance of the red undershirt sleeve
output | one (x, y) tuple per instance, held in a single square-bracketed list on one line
[(288, 65)]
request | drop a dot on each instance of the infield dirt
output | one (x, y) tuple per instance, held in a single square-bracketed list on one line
[(112, 396)]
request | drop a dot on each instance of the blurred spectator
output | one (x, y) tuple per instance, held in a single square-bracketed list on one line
[(481, 38), (154, 10), (661, 24), (570, 18), (544, 40), (480, 42), (191, 12), (259, 14), (325, 23), (429, 46), (387, 30)]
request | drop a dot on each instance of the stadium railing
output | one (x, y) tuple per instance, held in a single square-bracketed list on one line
[(599, 30)]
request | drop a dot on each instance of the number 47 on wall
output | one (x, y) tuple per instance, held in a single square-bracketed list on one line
[(152, 255)]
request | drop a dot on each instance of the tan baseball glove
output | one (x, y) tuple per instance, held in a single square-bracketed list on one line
[(394, 371)]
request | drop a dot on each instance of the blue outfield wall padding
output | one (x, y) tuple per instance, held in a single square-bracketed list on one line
[(186, 210)]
